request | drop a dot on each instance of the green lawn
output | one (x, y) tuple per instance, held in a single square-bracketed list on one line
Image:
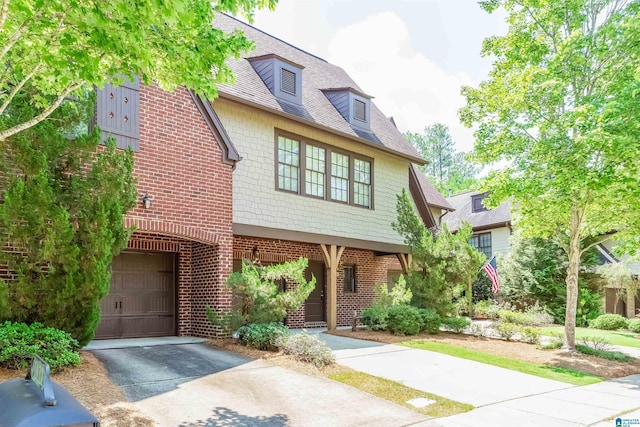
[(400, 394), (553, 373), (625, 338)]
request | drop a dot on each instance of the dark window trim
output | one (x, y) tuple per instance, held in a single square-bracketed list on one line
[(327, 188), (353, 288), (477, 237)]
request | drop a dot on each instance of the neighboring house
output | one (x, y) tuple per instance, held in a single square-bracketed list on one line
[(491, 227), (321, 166), (617, 300)]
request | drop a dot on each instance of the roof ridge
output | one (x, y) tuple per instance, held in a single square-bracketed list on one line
[(274, 37)]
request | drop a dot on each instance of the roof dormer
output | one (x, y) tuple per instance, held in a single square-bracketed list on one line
[(281, 76), (354, 105)]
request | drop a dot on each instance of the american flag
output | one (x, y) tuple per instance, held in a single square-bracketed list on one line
[(491, 270)]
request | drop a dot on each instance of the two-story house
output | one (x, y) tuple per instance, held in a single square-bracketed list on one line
[(292, 160), (321, 166)]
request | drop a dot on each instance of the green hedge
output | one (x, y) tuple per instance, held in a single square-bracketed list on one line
[(19, 342)]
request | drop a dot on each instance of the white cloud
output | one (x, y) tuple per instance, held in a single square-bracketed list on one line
[(377, 52)]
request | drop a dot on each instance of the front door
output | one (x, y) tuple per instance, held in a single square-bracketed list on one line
[(314, 307)]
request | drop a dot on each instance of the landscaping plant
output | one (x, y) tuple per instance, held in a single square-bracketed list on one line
[(609, 322), (307, 348), (456, 324), (508, 330), (375, 318), (404, 320), (634, 325), (262, 336), (257, 298), (20, 341), (431, 320), (399, 293)]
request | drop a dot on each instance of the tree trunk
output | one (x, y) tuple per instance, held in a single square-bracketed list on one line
[(572, 282)]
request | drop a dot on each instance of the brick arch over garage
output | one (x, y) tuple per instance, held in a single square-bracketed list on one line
[(168, 228)]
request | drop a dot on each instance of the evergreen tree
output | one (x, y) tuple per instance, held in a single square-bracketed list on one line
[(448, 170), (61, 218), (443, 262)]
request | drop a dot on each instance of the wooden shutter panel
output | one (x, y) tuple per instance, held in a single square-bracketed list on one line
[(118, 113)]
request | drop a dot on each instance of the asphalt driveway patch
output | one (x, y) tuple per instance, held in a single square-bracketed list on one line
[(143, 372)]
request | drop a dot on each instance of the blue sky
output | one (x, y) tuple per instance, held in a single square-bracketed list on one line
[(412, 56)]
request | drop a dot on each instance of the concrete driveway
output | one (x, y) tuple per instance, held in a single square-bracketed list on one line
[(196, 385)]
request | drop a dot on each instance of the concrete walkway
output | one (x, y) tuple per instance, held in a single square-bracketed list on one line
[(502, 396), (595, 404)]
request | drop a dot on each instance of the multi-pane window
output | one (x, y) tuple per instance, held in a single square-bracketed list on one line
[(340, 177), (288, 164), (362, 183), (482, 242), (314, 171), (349, 278)]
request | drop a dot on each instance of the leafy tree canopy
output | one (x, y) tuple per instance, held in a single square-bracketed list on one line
[(448, 170), (49, 49), (561, 107)]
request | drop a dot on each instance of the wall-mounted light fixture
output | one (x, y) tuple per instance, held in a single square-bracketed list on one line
[(146, 201)]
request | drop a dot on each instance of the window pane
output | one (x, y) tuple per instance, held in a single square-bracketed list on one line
[(362, 183), (339, 177), (482, 242), (288, 164), (315, 172)]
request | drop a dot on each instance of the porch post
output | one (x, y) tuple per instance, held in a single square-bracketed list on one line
[(405, 262), (332, 254)]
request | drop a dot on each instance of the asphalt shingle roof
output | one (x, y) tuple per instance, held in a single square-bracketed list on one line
[(463, 212), (431, 194), (317, 75)]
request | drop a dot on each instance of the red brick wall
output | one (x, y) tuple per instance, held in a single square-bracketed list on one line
[(179, 166), (369, 271)]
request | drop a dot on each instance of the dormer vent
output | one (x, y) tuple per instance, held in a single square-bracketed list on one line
[(281, 76), (354, 105)]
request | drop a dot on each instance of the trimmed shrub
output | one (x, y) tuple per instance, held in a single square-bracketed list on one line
[(530, 335), (456, 324), (398, 295), (609, 322), (263, 336), (508, 330), (404, 320), (19, 342), (431, 320), (634, 325), (604, 354), (375, 317), (307, 348)]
